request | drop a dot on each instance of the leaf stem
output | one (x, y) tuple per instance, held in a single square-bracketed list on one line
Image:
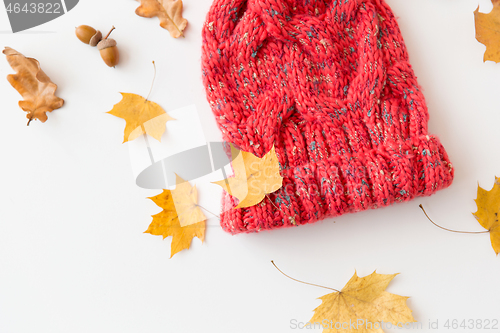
[(272, 203), (291, 218), (458, 231), (217, 216), (152, 83), (312, 284)]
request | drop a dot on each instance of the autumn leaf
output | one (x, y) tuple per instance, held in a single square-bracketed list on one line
[(362, 301), (33, 85), (253, 177), (142, 116), (488, 31), (177, 204), (488, 212), (168, 11), (185, 200)]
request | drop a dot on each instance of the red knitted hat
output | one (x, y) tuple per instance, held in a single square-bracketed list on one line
[(328, 83)]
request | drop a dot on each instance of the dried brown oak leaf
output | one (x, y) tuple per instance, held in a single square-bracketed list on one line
[(168, 11), (33, 84)]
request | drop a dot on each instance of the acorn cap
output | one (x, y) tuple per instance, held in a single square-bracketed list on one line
[(105, 43), (95, 39)]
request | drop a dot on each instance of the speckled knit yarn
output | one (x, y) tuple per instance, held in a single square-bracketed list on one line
[(328, 83)]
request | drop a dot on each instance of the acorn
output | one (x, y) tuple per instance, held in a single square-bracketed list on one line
[(109, 51), (88, 35)]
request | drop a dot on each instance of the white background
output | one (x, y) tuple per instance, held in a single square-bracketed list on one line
[(73, 255)]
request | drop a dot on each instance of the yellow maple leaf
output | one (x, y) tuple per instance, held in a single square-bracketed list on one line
[(488, 31), (488, 212), (168, 11), (178, 204), (253, 177), (361, 306), (142, 116)]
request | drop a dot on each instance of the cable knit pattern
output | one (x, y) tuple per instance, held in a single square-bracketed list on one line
[(328, 83)]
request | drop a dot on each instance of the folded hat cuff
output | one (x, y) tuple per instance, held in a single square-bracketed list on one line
[(343, 184)]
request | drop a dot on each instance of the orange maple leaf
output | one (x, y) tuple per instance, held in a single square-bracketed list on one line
[(488, 212), (142, 116), (488, 31), (253, 177), (177, 204), (365, 302)]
